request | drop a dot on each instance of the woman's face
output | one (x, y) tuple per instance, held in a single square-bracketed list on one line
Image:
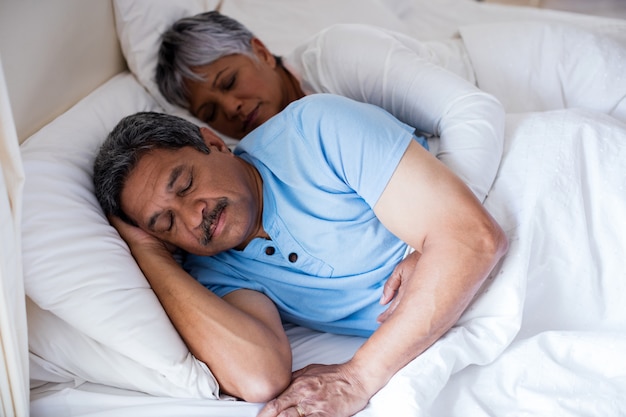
[(238, 93)]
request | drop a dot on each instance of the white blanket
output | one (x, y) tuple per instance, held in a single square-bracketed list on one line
[(547, 334), (549, 331)]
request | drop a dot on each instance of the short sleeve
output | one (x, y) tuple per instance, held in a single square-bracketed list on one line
[(360, 143)]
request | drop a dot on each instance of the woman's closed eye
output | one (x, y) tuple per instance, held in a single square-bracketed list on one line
[(228, 82), (208, 111)]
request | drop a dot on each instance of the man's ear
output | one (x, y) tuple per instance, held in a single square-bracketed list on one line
[(262, 53), (211, 139)]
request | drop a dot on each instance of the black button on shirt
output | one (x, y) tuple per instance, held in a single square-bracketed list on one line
[(270, 250), (293, 257)]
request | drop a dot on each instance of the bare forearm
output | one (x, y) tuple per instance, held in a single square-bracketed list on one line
[(249, 355), (459, 244), (434, 298)]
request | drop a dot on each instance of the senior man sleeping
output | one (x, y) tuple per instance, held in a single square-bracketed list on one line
[(305, 222)]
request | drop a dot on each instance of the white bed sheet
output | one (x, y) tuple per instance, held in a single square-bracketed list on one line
[(441, 19), (568, 357), (547, 334)]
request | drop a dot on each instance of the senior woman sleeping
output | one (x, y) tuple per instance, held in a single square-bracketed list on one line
[(217, 69)]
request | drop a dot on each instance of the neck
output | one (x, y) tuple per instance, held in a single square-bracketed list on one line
[(293, 90), (258, 181), (256, 184)]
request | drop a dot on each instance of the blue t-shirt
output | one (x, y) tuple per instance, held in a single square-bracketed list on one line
[(325, 160)]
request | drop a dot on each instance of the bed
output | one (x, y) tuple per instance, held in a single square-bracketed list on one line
[(546, 335)]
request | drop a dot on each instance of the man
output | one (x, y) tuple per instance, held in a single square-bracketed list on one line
[(313, 211)]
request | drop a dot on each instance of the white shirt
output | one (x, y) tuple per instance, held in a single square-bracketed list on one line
[(428, 85)]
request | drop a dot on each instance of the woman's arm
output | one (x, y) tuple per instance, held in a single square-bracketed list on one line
[(404, 76), (239, 337)]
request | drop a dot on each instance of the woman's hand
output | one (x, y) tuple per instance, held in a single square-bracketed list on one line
[(393, 287)]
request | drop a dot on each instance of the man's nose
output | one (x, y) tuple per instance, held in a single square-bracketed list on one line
[(193, 213)]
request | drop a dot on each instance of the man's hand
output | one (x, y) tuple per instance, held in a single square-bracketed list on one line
[(135, 237), (320, 390), (240, 337), (334, 390), (393, 287)]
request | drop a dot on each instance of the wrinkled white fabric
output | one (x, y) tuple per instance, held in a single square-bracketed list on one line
[(428, 85), (533, 66)]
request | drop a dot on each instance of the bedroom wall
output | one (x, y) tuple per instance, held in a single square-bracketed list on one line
[(608, 8), (54, 52)]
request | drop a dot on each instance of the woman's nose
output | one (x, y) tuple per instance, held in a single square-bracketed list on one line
[(232, 106)]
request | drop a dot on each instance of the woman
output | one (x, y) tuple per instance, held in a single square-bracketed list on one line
[(216, 68)]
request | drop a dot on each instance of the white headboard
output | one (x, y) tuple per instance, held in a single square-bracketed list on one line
[(53, 54)]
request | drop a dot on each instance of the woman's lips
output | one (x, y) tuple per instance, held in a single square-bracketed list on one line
[(250, 122)]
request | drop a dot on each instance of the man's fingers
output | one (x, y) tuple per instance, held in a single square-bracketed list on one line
[(300, 371), (283, 405), (272, 409)]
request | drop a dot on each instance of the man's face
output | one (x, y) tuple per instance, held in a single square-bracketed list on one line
[(202, 203), (238, 92)]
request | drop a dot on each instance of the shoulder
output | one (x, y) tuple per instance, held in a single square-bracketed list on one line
[(331, 112), (333, 120), (354, 33), (302, 122), (320, 103), (346, 39)]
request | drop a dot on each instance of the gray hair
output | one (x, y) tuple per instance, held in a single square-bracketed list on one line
[(133, 137), (196, 41)]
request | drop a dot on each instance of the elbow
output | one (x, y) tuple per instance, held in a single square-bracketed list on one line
[(264, 387), (501, 243), (266, 378), (492, 242), (258, 380)]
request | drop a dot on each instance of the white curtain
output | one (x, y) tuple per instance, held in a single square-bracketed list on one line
[(14, 385)]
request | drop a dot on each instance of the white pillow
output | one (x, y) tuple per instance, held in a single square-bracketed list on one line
[(140, 25), (280, 24), (94, 307), (501, 54)]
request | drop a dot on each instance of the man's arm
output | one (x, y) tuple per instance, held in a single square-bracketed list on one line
[(460, 243), (239, 337)]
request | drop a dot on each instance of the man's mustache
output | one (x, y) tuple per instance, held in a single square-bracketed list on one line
[(208, 221)]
